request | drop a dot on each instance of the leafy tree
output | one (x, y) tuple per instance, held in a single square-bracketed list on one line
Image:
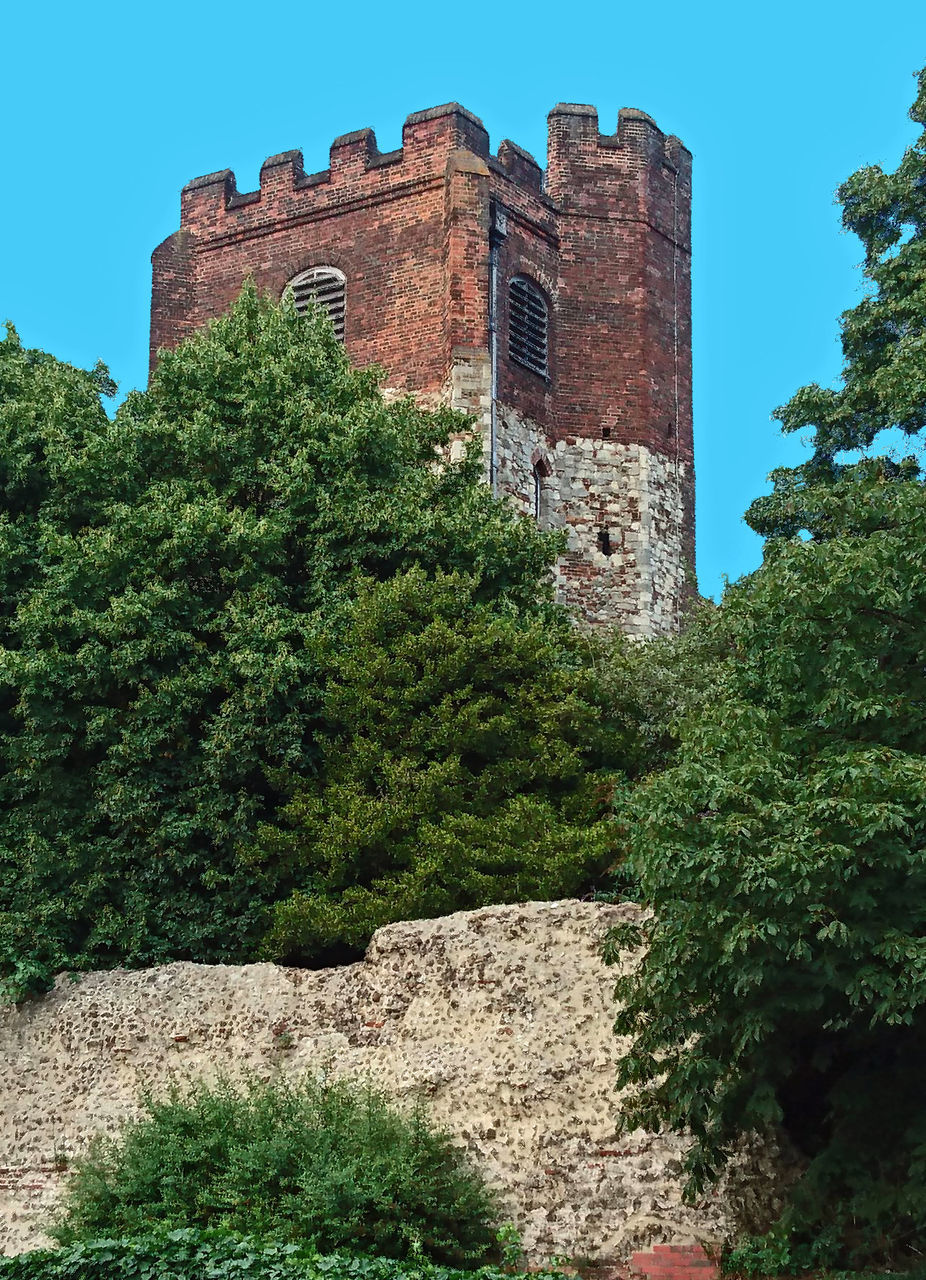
[(171, 579), (783, 851), (884, 344), (465, 759), (329, 1164)]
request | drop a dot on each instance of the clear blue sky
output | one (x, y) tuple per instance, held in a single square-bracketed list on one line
[(110, 108)]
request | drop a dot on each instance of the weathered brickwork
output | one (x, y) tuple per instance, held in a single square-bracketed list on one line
[(676, 1262), (604, 234)]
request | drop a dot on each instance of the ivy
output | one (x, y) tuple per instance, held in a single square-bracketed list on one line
[(190, 1254)]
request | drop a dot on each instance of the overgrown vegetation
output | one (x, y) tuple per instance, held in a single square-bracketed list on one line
[(327, 1165), (783, 850), (271, 677), (193, 1254), (194, 601)]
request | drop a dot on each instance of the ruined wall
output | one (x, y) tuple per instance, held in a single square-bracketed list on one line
[(499, 1019)]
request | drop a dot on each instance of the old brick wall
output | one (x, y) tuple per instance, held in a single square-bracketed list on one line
[(382, 219)]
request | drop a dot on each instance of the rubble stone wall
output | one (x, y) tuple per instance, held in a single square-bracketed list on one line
[(623, 509), (499, 1019)]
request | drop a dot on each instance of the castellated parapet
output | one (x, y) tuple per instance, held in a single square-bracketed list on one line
[(592, 434)]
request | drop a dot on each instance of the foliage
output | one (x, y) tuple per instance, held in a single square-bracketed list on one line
[(783, 851), (170, 582), (784, 855), (648, 688), (465, 760), (193, 1254), (327, 1164), (778, 1254), (884, 345)]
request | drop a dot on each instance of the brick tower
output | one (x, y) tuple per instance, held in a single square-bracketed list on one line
[(554, 308)]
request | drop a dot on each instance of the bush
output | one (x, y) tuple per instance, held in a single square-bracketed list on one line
[(329, 1165), (778, 1254)]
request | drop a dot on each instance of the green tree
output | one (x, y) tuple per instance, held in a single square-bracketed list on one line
[(329, 1164), (465, 760), (884, 346), (783, 851), (171, 579)]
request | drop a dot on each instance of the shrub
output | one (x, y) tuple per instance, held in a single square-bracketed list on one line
[(326, 1164)]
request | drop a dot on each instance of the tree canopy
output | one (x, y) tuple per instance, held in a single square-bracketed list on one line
[(783, 851), (174, 585), (884, 348)]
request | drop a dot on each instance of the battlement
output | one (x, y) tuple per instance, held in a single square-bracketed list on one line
[(573, 134), (428, 138), (576, 149)]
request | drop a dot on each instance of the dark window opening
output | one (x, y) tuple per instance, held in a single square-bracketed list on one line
[(606, 433), (528, 325), (538, 503), (604, 542)]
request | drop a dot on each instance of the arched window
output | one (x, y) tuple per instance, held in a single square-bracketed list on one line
[(528, 325), (325, 287)]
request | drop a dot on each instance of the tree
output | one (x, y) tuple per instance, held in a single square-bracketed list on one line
[(884, 345), (783, 851), (465, 760), (171, 580)]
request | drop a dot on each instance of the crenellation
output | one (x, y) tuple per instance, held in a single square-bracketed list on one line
[(281, 174), (353, 152), (519, 165), (223, 178), (205, 199), (450, 126)]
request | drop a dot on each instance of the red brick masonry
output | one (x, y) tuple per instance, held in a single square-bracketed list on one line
[(675, 1262)]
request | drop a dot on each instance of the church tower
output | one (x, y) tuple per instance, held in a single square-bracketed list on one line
[(554, 307)]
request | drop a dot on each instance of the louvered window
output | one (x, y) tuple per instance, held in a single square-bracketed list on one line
[(325, 287), (528, 325)]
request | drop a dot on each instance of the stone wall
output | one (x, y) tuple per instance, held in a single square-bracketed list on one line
[(499, 1019), (628, 559), (623, 509)]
